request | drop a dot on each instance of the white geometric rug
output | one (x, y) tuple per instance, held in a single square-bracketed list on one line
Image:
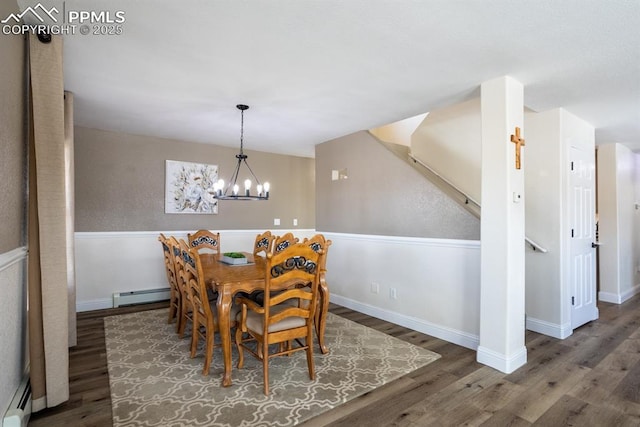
[(155, 383)]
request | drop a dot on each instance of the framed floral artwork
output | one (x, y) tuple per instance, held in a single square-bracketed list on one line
[(189, 188)]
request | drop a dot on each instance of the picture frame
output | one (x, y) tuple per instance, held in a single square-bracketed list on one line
[(189, 188)]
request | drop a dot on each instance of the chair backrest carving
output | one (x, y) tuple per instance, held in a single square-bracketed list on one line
[(319, 243), (205, 239), (283, 242), (263, 243), (287, 271)]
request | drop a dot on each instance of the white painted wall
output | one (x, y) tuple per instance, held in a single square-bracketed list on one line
[(427, 273), (110, 262), (617, 195), (399, 132), (13, 334), (544, 209), (550, 135), (502, 305)]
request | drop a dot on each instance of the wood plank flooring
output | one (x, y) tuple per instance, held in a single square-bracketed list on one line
[(589, 379)]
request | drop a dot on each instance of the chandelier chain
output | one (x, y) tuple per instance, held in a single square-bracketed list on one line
[(241, 131)]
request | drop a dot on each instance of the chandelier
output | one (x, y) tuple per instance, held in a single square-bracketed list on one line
[(232, 190)]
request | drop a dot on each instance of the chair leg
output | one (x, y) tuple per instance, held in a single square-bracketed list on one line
[(240, 348), (195, 335), (184, 319), (179, 320), (321, 314), (172, 312), (208, 355), (309, 351), (265, 366)]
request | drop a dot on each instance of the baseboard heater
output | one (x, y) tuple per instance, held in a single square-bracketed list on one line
[(140, 297), (19, 411)]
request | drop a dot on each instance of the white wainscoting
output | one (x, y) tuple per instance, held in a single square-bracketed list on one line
[(109, 262), (13, 321), (436, 282)]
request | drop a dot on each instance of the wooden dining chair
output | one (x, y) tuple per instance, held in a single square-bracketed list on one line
[(205, 239), (174, 292), (283, 242), (277, 321), (205, 321), (186, 306), (319, 243), (263, 243)]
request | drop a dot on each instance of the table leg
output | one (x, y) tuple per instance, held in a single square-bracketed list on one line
[(321, 315), (224, 325)]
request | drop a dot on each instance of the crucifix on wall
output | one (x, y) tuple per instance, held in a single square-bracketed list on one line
[(519, 141)]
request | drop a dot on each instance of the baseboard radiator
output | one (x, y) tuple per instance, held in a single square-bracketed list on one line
[(140, 297), (19, 411)]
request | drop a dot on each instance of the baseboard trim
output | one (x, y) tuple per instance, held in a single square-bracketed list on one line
[(500, 361), (551, 329), (615, 298), (451, 335)]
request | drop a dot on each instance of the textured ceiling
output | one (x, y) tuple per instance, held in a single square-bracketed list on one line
[(312, 70)]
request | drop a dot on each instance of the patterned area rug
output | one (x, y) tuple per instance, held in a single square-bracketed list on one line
[(155, 383)]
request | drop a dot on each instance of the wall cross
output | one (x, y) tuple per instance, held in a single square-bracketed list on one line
[(519, 141)]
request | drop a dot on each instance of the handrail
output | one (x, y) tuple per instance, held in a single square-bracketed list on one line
[(535, 246), (468, 200), (449, 183)]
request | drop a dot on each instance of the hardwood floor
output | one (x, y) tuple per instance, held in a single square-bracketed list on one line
[(589, 379)]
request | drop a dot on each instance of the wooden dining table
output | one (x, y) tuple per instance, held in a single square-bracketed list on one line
[(228, 280)]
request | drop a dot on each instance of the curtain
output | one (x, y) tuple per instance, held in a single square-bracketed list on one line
[(70, 208), (48, 216)]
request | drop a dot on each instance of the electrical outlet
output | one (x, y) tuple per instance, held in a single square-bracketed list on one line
[(393, 293), (375, 287), (276, 221), (295, 222)]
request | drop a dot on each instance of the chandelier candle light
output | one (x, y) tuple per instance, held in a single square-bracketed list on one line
[(221, 193)]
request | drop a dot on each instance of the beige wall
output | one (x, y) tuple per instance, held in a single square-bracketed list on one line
[(382, 195), (13, 354), (12, 137), (120, 180)]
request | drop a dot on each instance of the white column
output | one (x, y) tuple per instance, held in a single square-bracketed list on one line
[(502, 323)]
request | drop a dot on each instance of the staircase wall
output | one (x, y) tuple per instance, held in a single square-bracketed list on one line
[(449, 141), (382, 195)]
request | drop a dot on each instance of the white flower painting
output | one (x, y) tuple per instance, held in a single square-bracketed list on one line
[(189, 188)]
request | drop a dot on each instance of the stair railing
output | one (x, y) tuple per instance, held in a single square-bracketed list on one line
[(444, 184)]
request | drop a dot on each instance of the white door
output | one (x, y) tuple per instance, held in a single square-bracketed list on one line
[(582, 228)]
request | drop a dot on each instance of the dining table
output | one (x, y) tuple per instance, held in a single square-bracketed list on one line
[(229, 279)]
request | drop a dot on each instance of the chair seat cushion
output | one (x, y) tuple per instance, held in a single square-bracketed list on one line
[(255, 320)]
